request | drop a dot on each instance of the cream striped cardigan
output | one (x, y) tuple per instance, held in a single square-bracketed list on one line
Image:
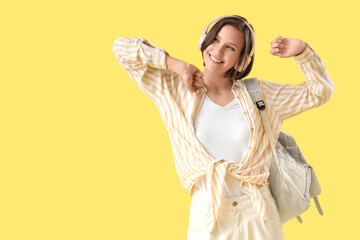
[(146, 65)]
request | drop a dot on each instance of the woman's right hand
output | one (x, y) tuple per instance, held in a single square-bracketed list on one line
[(191, 75)]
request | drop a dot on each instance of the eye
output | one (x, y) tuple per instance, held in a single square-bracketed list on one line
[(230, 47), (216, 40)]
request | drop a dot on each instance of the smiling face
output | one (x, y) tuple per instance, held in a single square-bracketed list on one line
[(224, 52)]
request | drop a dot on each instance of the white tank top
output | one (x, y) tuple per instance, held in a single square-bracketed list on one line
[(225, 134)]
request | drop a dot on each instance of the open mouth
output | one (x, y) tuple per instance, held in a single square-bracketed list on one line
[(214, 59)]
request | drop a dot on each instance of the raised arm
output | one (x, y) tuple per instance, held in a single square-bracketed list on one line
[(145, 63), (289, 100), (153, 69)]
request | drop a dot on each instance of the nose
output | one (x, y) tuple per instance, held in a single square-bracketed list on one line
[(220, 50)]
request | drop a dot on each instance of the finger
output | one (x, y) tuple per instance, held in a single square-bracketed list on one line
[(199, 79), (279, 54), (277, 45), (193, 89), (275, 51), (275, 54), (195, 70), (197, 84), (199, 74), (276, 41)]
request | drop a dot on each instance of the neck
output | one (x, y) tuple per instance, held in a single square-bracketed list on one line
[(216, 81)]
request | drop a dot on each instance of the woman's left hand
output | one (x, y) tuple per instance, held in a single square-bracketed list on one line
[(287, 47)]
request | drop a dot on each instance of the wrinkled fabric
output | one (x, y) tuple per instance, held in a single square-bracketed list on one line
[(237, 219)]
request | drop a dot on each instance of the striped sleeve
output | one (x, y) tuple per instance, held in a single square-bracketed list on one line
[(289, 100), (145, 64)]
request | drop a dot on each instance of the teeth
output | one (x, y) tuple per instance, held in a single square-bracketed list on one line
[(215, 59)]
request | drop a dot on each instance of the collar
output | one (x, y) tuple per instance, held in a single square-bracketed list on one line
[(236, 83)]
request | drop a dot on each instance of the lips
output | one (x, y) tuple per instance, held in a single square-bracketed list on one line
[(214, 60)]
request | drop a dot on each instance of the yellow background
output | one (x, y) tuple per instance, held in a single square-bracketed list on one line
[(84, 153)]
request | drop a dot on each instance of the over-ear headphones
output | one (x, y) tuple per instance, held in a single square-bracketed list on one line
[(246, 61)]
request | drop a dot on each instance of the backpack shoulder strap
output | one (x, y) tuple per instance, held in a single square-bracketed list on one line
[(256, 95), (255, 92)]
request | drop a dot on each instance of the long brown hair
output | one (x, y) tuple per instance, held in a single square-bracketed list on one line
[(239, 23)]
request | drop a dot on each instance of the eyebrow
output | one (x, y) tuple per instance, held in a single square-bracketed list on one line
[(229, 42)]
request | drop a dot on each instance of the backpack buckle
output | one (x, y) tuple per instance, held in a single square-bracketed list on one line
[(260, 105)]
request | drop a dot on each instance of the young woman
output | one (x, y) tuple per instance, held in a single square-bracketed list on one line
[(221, 152)]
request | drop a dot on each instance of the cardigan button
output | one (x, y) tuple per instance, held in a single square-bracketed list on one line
[(234, 204)]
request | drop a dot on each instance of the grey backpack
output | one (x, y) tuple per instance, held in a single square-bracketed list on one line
[(292, 180)]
